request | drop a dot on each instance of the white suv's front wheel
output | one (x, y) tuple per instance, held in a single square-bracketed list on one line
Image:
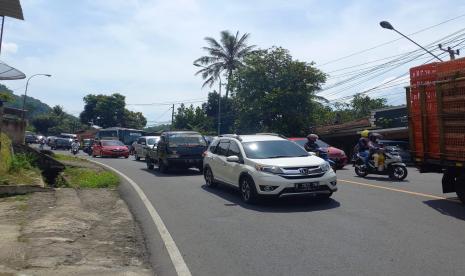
[(209, 179), (247, 188)]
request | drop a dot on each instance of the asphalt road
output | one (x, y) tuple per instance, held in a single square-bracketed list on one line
[(371, 226)]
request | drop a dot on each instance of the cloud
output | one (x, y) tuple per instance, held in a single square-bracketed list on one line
[(144, 49), (9, 48)]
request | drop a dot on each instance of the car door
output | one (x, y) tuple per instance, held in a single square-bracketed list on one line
[(232, 170), (219, 160)]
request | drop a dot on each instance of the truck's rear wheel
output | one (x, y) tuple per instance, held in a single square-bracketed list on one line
[(460, 188)]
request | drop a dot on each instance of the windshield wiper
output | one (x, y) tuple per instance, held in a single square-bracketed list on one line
[(280, 156)]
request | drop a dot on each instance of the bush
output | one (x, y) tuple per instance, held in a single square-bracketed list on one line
[(22, 161), (5, 154)]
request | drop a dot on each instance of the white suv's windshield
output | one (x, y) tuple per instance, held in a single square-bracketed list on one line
[(273, 149)]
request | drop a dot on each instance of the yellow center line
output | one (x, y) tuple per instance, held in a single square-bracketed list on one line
[(397, 190)]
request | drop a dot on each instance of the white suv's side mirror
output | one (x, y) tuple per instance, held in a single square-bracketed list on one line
[(233, 158)]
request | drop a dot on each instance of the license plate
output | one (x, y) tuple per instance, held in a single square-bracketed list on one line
[(310, 186)]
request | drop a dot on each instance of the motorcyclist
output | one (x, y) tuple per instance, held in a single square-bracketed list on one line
[(311, 144), (75, 144), (363, 147), (373, 143), (41, 143)]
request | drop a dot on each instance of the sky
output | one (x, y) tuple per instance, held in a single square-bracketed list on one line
[(144, 49)]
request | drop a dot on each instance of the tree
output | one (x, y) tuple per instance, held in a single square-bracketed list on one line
[(359, 107), (226, 56), (190, 118), (109, 111), (104, 111), (134, 119), (362, 105), (275, 93)]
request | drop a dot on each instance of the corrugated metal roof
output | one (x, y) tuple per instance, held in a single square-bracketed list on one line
[(10, 73), (11, 8)]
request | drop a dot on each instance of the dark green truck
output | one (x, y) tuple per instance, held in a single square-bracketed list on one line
[(177, 150)]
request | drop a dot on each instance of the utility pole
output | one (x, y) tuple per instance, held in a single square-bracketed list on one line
[(219, 109), (1, 122), (172, 117), (450, 51)]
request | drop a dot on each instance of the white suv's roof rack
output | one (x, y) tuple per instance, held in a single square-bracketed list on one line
[(272, 134), (235, 136)]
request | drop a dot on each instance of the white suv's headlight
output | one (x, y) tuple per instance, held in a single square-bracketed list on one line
[(269, 169), (325, 167)]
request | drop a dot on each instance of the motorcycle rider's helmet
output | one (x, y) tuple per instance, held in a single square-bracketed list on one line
[(365, 133), (312, 137)]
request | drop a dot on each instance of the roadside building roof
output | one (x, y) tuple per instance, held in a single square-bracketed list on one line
[(11, 8), (8, 72)]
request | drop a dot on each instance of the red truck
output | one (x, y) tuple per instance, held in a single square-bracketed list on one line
[(436, 105)]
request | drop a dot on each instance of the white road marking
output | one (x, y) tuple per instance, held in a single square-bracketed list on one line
[(175, 255)]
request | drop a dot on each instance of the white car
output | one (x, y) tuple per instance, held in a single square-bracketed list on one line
[(142, 144), (267, 165)]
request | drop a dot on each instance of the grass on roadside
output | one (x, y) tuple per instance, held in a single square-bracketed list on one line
[(63, 157), (22, 171), (87, 178)]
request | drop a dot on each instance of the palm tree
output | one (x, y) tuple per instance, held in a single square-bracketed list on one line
[(226, 57)]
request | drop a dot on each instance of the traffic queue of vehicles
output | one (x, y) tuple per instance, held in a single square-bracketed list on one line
[(260, 165)]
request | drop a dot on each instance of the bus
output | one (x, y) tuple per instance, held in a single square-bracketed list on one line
[(125, 135)]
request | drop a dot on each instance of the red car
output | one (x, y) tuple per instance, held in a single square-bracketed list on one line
[(111, 148), (337, 155)]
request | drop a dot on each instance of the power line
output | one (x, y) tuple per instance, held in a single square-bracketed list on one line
[(396, 78), (389, 42), (384, 68), (198, 100)]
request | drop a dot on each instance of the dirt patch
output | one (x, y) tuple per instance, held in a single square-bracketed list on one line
[(69, 231)]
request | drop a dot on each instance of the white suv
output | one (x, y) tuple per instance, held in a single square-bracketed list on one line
[(262, 165)]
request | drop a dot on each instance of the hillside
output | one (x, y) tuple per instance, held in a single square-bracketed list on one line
[(35, 106)]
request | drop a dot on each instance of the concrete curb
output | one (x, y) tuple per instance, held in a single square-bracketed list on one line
[(11, 190)]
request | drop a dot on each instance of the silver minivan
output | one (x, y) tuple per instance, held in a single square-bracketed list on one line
[(142, 144)]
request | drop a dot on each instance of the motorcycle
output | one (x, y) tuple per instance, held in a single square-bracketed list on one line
[(323, 154), (384, 161), (75, 149)]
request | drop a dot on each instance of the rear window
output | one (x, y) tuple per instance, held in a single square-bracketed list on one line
[(175, 140), (152, 141)]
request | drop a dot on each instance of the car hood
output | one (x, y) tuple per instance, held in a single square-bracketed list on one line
[(291, 162)]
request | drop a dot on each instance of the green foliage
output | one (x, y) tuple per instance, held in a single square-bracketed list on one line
[(109, 111), (21, 162), (190, 118), (158, 128), (5, 153), (33, 106), (359, 107), (224, 56), (274, 93), (88, 178), (6, 97), (56, 121)]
